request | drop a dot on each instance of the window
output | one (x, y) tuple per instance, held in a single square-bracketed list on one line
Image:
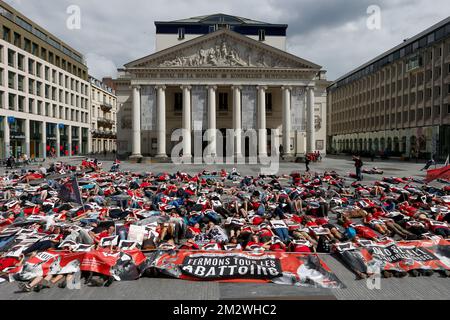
[(11, 101), (17, 40), (223, 101), (20, 82), (262, 35), (31, 86), (38, 69), (35, 49), (6, 34), (27, 45), (43, 54), (181, 32), (11, 56), (11, 79), (30, 66), (20, 60), (178, 101)]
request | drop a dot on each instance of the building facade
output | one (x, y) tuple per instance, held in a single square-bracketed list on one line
[(103, 117), (44, 91), (220, 79), (398, 103)]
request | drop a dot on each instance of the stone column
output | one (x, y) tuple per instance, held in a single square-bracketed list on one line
[(89, 141), (44, 140), (27, 137), (58, 141), (286, 102), (262, 131), (310, 130), (69, 140), (237, 120), (80, 140), (6, 137), (161, 122), (212, 119), (187, 121), (136, 131)]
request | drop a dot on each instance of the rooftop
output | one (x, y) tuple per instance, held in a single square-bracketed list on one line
[(219, 18)]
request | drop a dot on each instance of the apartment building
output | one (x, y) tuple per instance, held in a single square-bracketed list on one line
[(398, 103), (103, 117), (44, 91)]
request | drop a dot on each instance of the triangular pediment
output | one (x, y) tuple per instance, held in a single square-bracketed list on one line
[(224, 49)]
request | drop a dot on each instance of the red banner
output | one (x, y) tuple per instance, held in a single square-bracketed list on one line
[(441, 173), (123, 265)]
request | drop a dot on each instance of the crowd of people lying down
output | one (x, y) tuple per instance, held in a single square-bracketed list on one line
[(222, 210)]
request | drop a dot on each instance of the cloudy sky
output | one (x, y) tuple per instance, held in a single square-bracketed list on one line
[(332, 33)]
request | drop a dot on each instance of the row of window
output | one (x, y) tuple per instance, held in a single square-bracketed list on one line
[(32, 67), (390, 119), (19, 103), (213, 28), (369, 84), (38, 88), (47, 55), (424, 42), (97, 95)]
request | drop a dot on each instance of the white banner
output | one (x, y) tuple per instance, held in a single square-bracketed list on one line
[(249, 107), (148, 108), (199, 108), (298, 110)]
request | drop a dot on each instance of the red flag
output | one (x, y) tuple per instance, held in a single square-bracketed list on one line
[(441, 173)]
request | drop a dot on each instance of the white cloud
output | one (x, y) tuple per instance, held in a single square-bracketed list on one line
[(331, 33), (100, 66)]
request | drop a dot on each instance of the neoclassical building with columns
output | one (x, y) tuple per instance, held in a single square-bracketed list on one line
[(220, 72)]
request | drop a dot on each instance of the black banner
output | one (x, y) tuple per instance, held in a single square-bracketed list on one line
[(226, 266)]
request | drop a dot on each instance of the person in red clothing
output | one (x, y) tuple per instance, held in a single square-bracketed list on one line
[(189, 245), (8, 221), (277, 245), (301, 246), (10, 262), (255, 244), (376, 224), (97, 237)]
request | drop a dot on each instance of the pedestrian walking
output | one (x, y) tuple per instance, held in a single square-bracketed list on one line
[(358, 166)]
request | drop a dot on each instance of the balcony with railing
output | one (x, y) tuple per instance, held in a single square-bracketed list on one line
[(104, 122), (106, 134), (105, 106)]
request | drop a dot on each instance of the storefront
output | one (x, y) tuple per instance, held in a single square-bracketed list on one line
[(84, 140), (50, 147), (2, 139), (17, 136), (75, 141), (35, 139), (63, 140)]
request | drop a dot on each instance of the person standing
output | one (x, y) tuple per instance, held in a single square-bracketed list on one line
[(358, 166), (307, 161)]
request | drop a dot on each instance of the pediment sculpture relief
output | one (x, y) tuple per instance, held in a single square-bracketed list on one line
[(225, 54)]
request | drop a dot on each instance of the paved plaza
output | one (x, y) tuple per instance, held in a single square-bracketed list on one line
[(432, 287)]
